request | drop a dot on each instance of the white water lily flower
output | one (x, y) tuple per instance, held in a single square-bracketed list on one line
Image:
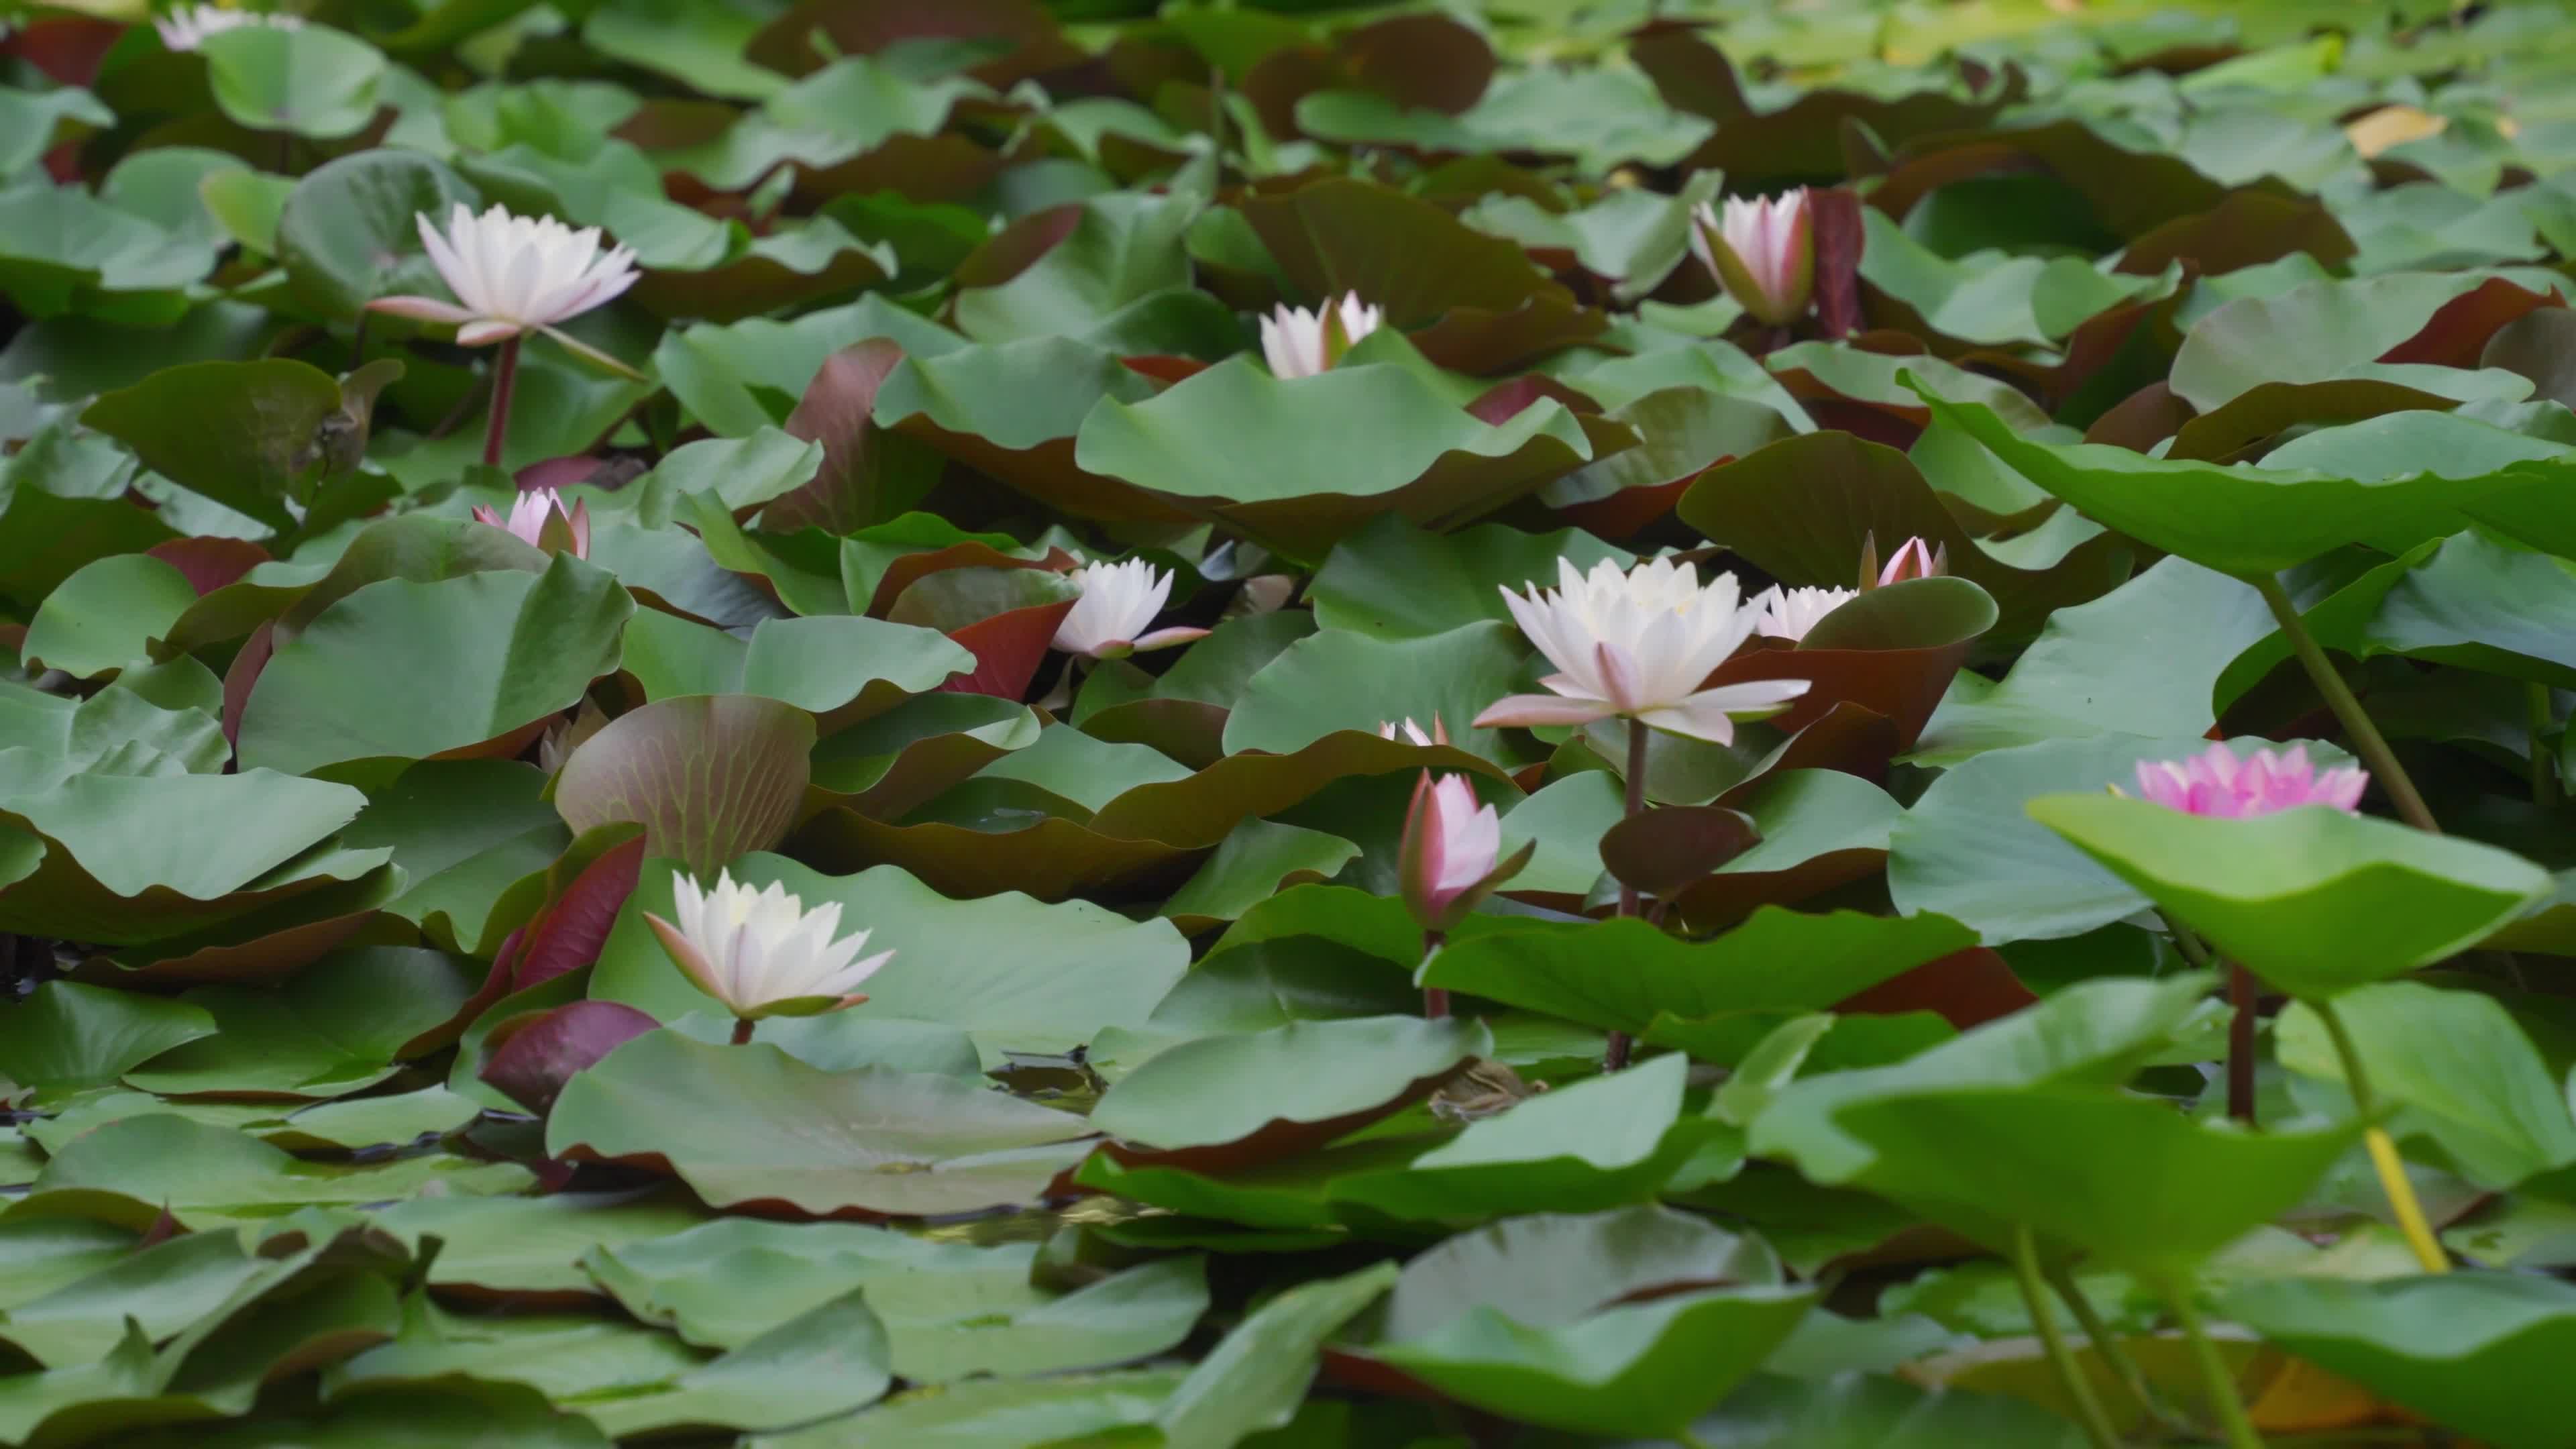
[(535, 510), (516, 274), (1790, 613), (761, 952), (1297, 343), (1387, 728), (1639, 645), (1118, 601), (181, 29), (1763, 252)]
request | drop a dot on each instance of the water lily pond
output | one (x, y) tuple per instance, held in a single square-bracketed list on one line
[(1457, 724)]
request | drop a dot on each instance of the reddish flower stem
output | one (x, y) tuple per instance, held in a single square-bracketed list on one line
[(2240, 1045), (505, 380), (1615, 1056), (741, 1030)]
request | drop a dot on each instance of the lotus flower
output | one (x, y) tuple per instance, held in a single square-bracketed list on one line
[(540, 520), (1790, 613), (1450, 846), (1118, 601), (1639, 645), (1386, 730), (1763, 253), (2215, 782), (1299, 343), (182, 29), (761, 952), (516, 274)]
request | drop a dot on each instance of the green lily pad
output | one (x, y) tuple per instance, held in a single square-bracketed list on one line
[(2312, 900), (2240, 520), (2471, 1350), (402, 670), (1238, 446), (1307, 1081), (751, 1124)]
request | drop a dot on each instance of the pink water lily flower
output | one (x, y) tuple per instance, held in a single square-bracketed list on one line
[(1639, 645), (540, 520), (1450, 851), (1763, 252), (515, 274), (2215, 782), (1299, 343)]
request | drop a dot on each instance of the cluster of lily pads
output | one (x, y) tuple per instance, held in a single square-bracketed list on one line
[(988, 723)]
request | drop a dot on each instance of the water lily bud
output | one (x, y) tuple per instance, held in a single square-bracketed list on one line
[(1639, 645), (1451, 842), (761, 953), (540, 519), (1763, 253)]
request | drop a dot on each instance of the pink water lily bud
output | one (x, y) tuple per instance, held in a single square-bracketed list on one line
[(514, 274), (1118, 601), (181, 29), (1449, 858), (1762, 251), (1387, 729), (540, 519), (760, 952), (1299, 343), (1638, 646), (2215, 782), (1914, 561), (1790, 613)]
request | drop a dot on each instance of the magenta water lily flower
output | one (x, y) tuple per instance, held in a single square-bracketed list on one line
[(2215, 782), (1763, 252), (1450, 858), (1299, 343), (760, 952), (540, 520), (1638, 646), (517, 274)]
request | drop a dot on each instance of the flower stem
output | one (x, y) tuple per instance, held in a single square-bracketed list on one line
[(1615, 1056), (2070, 1374), (2383, 1148), (741, 1030), (2221, 1384), (2366, 738), (1435, 999), (505, 380), (2241, 994), (2544, 777), (2106, 1344), (2187, 943)]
